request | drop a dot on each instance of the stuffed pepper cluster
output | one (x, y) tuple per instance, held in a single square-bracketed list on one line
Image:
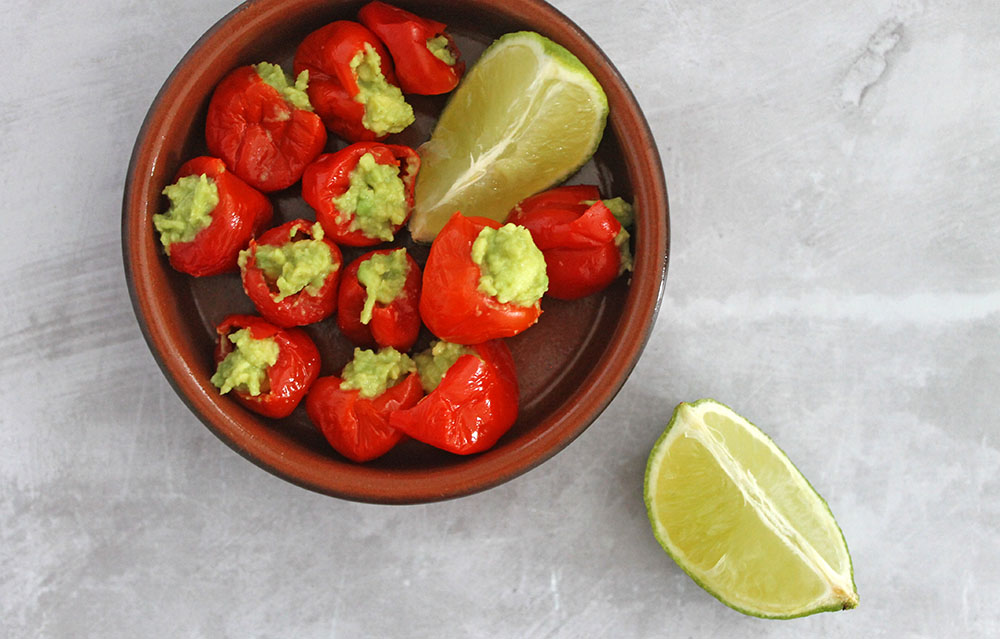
[(267, 130)]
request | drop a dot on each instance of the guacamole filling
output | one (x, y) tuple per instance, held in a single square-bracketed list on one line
[(625, 214), (245, 367), (376, 198), (383, 275), (433, 363), (511, 268), (293, 93), (385, 109), (371, 373), (440, 49), (296, 265), (192, 200)]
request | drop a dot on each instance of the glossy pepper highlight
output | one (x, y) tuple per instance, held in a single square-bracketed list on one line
[(474, 404), (451, 303), (336, 177), (239, 213), (426, 58), (584, 244), (395, 323), (279, 303), (352, 84), (287, 380), (265, 134)]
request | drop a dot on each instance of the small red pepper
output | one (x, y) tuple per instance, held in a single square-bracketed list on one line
[(327, 53), (396, 324), (407, 37), (300, 308), (241, 213), (473, 406), (576, 238), (451, 304), (329, 177), (264, 139), (356, 427), (289, 378)]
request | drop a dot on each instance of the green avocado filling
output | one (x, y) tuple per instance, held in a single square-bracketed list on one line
[(385, 109), (433, 363), (383, 276), (294, 94), (376, 198), (295, 265), (625, 214), (621, 241), (373, 373), (245, 367), (192, 200), (439, 49), (511, 268)]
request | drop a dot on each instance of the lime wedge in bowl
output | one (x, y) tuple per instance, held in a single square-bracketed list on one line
[(731, 509), (526, 116)]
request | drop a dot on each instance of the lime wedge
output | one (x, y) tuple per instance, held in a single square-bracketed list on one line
[(741, 520), (526, 116)]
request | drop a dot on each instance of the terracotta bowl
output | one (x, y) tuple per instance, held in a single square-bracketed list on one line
[(570, 365)]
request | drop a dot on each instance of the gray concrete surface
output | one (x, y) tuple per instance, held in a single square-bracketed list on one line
[(834, 173)]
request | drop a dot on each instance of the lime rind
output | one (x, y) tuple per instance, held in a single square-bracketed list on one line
[(653, 463)]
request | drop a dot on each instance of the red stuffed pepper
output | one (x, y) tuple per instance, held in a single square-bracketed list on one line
[(291, 274), (378, 300), (582, 237), (482, 281), (427, 60), (363, 193), (352, 411), (212, 216), (263, 126), (269, 369), (352, 85), (472, 397)]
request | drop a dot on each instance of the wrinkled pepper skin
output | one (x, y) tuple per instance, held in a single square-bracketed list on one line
[(356, 427), (289, 378), (451, 304), (396, 324), (327, 53), (242, 212), (329, 177), (262, 138), (405, 35), (577, 239), (301, 308), (475, 404)]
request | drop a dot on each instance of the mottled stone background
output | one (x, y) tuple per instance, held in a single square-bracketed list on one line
[(834, 173)]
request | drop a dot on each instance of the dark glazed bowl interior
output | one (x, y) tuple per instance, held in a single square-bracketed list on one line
[(570, 365)]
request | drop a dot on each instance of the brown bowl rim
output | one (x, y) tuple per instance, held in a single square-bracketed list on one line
[(642, 305)]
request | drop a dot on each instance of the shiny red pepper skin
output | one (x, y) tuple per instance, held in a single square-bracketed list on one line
[(262, 138), (356, 427), (327, 53), (396, 324), (241, 213), (405, 35), (289, 378), (577, 239), (475, 404), (301, 308), (451, 304), (330, 176)]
